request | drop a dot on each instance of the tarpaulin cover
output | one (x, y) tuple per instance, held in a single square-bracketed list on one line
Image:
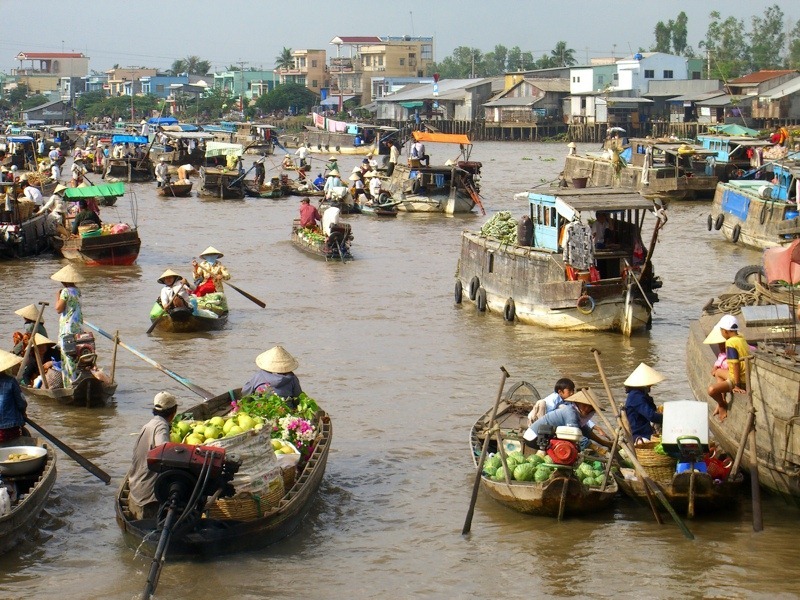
[(223, 149), (105, 190), (441, 138), (162, 121), (735, 204), (129, 139)]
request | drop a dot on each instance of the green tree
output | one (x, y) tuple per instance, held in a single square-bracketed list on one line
[(514, 59), (728, 46), (88, 99), (767, 39), (460, 64), (680, 32), (193, 65), (283, 97), (793, 58), (663, 35), (562, 55), (495, 61), (284, 60), (33, 101)]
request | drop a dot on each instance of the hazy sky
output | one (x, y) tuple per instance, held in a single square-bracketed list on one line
[(154, 33)]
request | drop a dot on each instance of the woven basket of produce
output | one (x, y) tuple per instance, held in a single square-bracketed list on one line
[(658, 466), (289, 475), (242, 507)]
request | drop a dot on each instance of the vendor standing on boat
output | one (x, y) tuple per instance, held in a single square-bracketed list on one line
[(639, 405), (162, 172), (29, 315), (142, 501), (277, 373), (12, 404), (737, 351), (68, 307), (302, 154), (309, 215), (333, 164), (210, 273), (394, 156), (577, 411)]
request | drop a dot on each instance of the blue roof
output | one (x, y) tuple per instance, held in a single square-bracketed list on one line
[(163, 121), (19, 139), (189, 127), (130, 139)]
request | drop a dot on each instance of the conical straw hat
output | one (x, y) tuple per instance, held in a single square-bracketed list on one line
[(277, 360), (68, 274), (8, 360), (168, 273), (211, 250), (714, 336), (40, 340), (643, 376), (29, 312)]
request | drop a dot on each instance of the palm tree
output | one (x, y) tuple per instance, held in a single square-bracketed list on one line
[(179, 66), (563, 56), (193, 65), (284, 60)]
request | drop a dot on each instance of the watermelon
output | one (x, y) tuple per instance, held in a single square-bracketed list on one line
[(512, 463), (525, 472), (541, 475), (535, 459), (493, 461), (517, 456)]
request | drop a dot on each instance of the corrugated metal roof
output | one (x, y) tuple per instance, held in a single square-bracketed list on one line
[(513, 101), (726, 100), (679, 87), (448, 89), (784, 89), (697, 97), (550, 85), (761, 76)]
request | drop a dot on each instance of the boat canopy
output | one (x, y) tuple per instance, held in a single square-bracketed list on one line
[(441, 138), (106, 190), (129, 139), (223, 149), (162, 121), (734, 129), (19, 139), (188, 135)]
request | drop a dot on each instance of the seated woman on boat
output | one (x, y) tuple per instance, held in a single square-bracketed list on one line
[(737, 350), (29, 315), (577, 411), (331, 183), (12, 404), (209, 273), (175, 293), (639, 405), (86, 220), (309, 215), (602, 229), (50, 356), (276, 374)]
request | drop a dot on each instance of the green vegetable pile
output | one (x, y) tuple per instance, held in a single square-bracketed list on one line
[(533, 468), (591, 474), (311, 235), (272, 406), (659, 449), (501, 226)]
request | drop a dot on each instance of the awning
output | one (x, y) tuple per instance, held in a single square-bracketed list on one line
[(223, 149), (412, 104), (163, 121), (334, 100), (441, 138), (19, 139), (129, 139), (106, 190), (188, 135)]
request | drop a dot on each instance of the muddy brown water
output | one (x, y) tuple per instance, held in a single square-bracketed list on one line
[(404, 373)]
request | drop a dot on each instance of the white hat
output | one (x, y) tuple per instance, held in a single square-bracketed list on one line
[(571, 145), (354, 177), (40, 340), (142, 122), (728, 323), (331, 157), (211, 250), (164, 401), (449, 162), (29, 312), (333, 172), (52, 147), (582, 397), (356, 169), (642, 376), (162, 158), (168, 273), (23, 177), (59, 188), (8, 360), (68, 274), (714, 336), (277, 360)]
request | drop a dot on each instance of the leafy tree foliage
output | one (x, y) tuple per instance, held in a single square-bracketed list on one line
[(680, 33), (119, 106), (283, 97), (193, 65), (33, 101), (663, 37), (284, 60), (728, 45), (793, 59), (562, 56), (767, 39)]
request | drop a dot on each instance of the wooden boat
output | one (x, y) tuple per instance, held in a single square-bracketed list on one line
[(175, 190), (379, 210), (662, 169), (530, 497), (33, 489), (212, 536), (774, 384), (218, 181), (176, 150), (22, 233), (88, 391), (130, 168), (534, 284), (730, 151), (183, 320), (448, 188), (759, 213), (335, 247), (328, 136)]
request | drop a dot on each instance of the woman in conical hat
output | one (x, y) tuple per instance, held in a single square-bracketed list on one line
[(639, 405), (12, 404), (70, 313), (209, 273), (29, 314), (50, 356), (276, 375)]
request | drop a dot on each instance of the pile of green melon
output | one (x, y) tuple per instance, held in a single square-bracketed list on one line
[(533, 468)]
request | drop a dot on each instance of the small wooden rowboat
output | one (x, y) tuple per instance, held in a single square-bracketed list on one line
[(32, 490), (89, 390), (211, 536), (183, 320), (176, 190), (563, 493), (335, 247)]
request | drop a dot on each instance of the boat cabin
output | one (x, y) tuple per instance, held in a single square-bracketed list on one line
[(679, 157), (731, 152), (19, 151), (182, 146)]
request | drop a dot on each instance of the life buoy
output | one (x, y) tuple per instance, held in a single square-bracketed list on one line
[(585, 305), (710, 222), (474, 284), (737, 229), (719, 221), (480, 300), (509, 310), (459, 291)]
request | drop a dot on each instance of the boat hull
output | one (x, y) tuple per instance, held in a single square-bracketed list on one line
[(113, 249), (191, 323), (27, 239), (130, 170), (709, 496), (88, 391), (218, 184), (176, 190), (15, 525), (328, 142), (320, 249)]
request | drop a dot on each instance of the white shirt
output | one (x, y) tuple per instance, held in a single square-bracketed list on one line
[(375, 186), (394, 154), (56, 204), (169, 292), (162, 170), (33, 194), (330, 217), (302, 152)]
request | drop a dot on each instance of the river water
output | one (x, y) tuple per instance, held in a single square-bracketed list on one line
[(404, 374)]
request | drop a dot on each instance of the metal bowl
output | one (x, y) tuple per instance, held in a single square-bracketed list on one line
[(21, 467)]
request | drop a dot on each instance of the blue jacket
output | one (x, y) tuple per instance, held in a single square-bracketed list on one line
[(12, 404), (641, 411), (286, 385), (565, 415)]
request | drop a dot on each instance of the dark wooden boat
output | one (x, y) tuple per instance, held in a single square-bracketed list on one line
[(221, 184), (88, 391), (212, 536), (380, 210), (22, 233), (175, 190), (182, 320), (114, 249), (529, 497), (337, 249), (130, 168), (33, 490)]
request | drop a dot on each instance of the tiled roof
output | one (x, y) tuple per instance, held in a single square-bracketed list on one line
[(761, 76)]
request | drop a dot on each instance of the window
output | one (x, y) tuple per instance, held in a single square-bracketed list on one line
[(159, 88), (667, 74), (402, 62), (380, 60), (600, 79), (426, 52), (695, 74), (616, 76), (649, 73), (314, 83)]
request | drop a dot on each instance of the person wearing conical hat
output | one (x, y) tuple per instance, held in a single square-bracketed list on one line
[(162, 172), (331, 183), (29, 314), (575, 411), (276, 375), (639, 405), (210, 273), (736, 352), (12, 404), (70, 313), (333, 164), (50, 355), (175, 292)]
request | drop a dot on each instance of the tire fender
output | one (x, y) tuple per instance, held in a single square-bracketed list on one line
[(710, 222), (719, 221), (585, 304), (737, 229), (474, 284), (510, 310), (480, 300), (459, 291)]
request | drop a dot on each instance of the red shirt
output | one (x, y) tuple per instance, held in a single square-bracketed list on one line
[(309, 215)]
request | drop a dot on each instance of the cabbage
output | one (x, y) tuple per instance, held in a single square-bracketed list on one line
[(541, 475), (590, 482), (584, 469), (548, 459), (597, 465), (517, 456), (535, 459), (500, 474), (525, 472), (600, 479)]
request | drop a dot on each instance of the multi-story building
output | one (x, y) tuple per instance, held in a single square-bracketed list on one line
[(127, 81), (41, 72), (308, 69)]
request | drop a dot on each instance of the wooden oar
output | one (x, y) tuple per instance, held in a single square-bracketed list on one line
[(250, 297), (166, 311), (31, 341), (205, 394), (476, 486), (79, 458)]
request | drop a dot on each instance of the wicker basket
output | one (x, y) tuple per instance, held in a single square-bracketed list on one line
[(658, 466), (289, 475), (247, 506)]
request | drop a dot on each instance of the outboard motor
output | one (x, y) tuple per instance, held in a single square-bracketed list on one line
[(560, 444)]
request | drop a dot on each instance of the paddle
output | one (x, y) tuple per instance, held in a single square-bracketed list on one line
[(166, 310), (32, 341), (476, 485), (205, 394), (79, 458), (242, 292)]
